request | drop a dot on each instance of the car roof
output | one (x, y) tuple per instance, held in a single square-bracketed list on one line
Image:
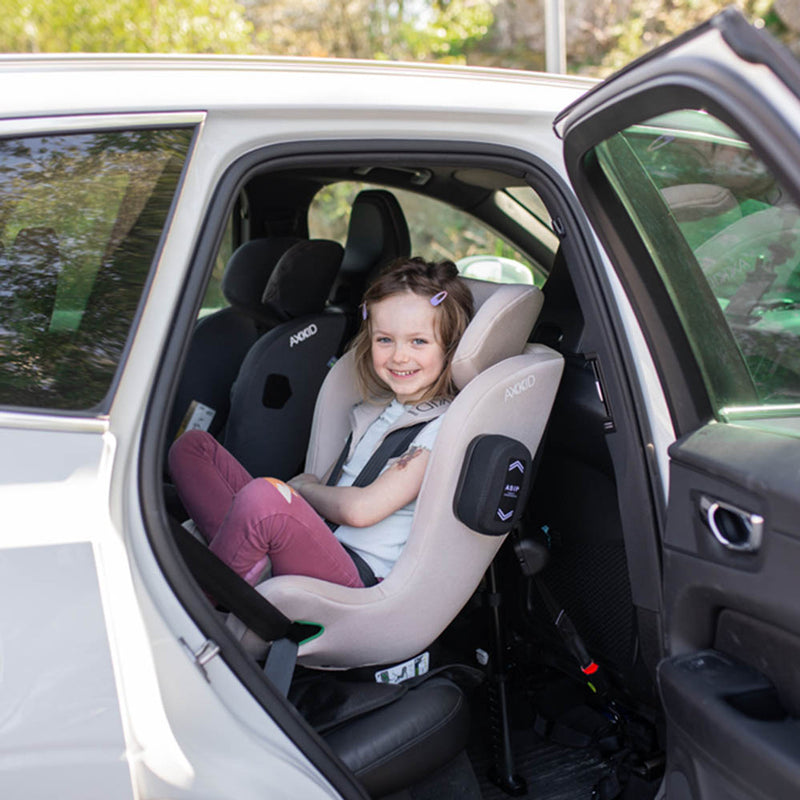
[(39, 85)]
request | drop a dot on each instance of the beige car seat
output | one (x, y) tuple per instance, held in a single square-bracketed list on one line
[(507, 387)]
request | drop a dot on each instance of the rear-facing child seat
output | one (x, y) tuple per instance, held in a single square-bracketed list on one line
[(272, 398), (507, 388), (221, 340)]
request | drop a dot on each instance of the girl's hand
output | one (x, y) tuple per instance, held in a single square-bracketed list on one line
[(303, 479)]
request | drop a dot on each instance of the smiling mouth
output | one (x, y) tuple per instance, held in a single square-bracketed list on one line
[(403, 373)]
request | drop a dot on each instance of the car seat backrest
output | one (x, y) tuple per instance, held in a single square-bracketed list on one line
[(701, 209), (377, 232), (246, 275), (272, 398), (302, 279), (221, 340), (507, 389), (499, 330), (376, 235)]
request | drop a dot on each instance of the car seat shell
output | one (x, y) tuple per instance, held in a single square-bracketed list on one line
[(443, 560)]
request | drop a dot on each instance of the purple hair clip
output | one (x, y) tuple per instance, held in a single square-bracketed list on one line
[(363, 311), (438, 298)]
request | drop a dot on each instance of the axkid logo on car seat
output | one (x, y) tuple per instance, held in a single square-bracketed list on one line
[(520, 386), (302, 335)]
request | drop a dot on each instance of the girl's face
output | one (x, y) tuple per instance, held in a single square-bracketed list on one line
[(406, 352)]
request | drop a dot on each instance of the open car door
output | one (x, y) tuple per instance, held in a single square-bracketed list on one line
[(688, 164)]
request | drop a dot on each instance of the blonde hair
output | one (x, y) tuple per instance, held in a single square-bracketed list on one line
[(427, 279)]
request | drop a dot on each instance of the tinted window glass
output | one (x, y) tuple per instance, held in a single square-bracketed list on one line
[(725, 236), (81, 216)]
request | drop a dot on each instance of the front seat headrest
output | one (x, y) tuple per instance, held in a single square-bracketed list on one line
[(691, 202), (302, 279), (500, 329), (248, 270), (377, 233)]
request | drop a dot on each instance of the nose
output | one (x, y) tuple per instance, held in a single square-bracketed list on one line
[(400, 353)]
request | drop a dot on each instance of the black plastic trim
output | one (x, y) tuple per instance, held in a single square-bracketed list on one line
[(754, 46)]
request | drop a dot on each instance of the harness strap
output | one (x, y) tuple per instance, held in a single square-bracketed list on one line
[(364, 570), (336, 472), (393, 445)]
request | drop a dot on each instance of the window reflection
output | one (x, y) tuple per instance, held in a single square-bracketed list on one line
[(80, 221)]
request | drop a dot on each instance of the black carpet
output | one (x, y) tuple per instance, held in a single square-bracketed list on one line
[(551, 771)]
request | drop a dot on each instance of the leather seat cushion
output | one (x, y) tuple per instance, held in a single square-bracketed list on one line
[(401, 743)]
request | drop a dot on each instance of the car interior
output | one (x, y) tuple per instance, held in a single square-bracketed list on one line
[(540, 664)]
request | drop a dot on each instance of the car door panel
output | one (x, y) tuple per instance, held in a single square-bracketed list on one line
[(731, 540), (58, 678), (730, 736), (729, 690)]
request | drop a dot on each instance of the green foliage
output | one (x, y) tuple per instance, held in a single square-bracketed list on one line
[(425, 30), (453, 28), (490, 32), (651, 23), (124, 26)]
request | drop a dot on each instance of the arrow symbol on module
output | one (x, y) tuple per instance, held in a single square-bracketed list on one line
[(517, 465), (504, 516)]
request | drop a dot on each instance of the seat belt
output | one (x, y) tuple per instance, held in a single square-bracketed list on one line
[(251, 607)]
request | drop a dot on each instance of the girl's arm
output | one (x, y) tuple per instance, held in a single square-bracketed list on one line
[(360, 507)]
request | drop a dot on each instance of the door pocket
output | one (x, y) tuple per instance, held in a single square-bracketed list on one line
[(772, 651)]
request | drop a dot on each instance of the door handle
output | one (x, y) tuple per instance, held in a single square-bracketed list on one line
[(734, 528)]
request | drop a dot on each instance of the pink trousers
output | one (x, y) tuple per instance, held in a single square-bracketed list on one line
[(248, 520)]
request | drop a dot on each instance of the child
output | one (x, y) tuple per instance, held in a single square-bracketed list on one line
[(412, 319)]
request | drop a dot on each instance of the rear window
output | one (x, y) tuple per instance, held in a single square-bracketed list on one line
[(81, 217)]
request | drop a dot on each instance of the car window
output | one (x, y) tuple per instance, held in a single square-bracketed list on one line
[(437, 231), (236, 231), (81, 216), (725, 238), (214, 298)]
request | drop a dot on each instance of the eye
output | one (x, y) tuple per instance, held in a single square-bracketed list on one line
[(382, 339), (420, 341)]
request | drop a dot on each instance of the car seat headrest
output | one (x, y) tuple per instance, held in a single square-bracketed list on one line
[(500, 329), (302, 279), (690, 202), (377, 233), (248, 270)]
